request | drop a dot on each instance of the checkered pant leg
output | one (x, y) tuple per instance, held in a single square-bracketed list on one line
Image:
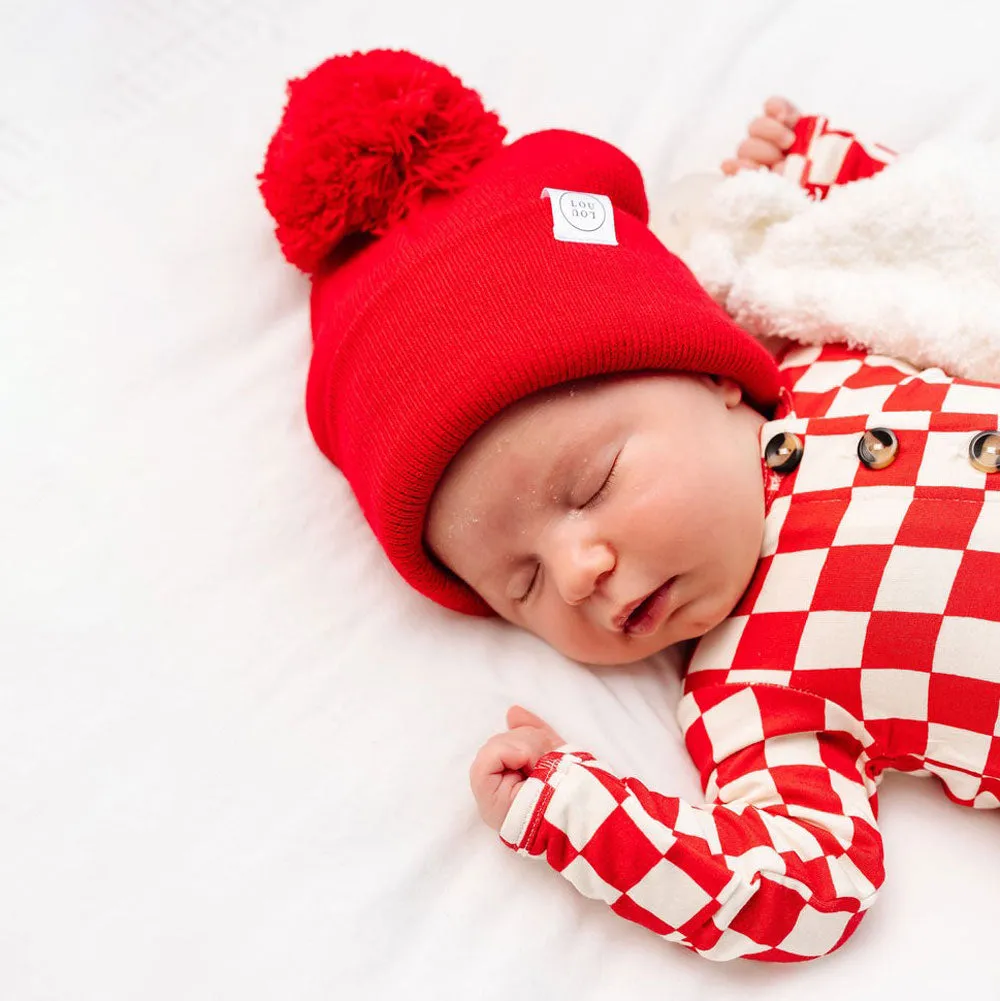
[(781, 866), (822, 157)]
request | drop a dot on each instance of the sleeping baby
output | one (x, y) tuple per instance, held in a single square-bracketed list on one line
[(544, 417)]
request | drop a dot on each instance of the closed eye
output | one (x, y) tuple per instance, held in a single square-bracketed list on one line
[(531, 584), (603, 489)]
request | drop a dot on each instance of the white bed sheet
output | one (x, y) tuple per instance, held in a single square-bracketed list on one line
[(233, 747)]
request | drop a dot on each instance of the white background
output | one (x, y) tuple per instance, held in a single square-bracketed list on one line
[(233, 747)]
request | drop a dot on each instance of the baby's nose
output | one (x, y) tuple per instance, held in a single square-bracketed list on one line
[(581, 570)]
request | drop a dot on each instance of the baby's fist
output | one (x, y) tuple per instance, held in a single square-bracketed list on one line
[(506, 760)]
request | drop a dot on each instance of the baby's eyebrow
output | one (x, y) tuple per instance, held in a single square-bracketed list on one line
[(548, 488), (543, 490), (572, 452), (560, 469)]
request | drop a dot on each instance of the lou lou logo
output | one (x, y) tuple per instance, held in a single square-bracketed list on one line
[(582, 211), (581, 217)]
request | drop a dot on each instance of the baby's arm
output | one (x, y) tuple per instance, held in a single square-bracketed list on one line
[(806, 150), (822, 157), (780, 865)]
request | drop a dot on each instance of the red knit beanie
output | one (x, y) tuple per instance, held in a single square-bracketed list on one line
[(446, 287)]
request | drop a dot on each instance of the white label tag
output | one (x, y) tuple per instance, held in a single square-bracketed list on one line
[(580, 217)]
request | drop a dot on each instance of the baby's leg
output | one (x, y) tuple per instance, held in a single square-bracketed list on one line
[(768, 138)]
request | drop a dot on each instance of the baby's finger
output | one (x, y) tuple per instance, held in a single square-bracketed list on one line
[(529, 743), (514, 751), (734, 166), (771, 130), (519, 716), (760, 151), (783, 110), (486, 767), (494, 796)]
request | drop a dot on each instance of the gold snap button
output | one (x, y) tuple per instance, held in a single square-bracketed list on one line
[(984, 452), (877, 448), (783, 452)]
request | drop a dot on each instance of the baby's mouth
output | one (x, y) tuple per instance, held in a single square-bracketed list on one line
[(645, 616)]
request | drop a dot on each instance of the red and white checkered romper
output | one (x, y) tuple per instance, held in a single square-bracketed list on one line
[(868, 639)]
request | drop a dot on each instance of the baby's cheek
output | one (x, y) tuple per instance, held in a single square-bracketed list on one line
[(565, 631), (574, 636), (669, 507)]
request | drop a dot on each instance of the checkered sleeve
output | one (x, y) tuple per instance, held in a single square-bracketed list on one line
[(822, 157), (780, 864)]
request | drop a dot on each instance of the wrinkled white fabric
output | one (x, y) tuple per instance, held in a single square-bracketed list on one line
[(233, 746)]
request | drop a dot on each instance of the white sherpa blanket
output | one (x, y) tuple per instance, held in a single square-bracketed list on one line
[(906, 263)]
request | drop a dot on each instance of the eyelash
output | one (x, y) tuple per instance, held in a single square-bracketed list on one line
[(531, 587), (593, 500), (604, 486)]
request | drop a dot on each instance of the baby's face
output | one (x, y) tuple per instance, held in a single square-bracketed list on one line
[(611, 517)]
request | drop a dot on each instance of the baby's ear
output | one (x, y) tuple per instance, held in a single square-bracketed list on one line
[(730, 390)]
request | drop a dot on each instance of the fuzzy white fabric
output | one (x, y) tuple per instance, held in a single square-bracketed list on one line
[(906, 263)]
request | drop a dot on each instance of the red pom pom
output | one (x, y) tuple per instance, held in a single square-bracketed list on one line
[(362, 140)]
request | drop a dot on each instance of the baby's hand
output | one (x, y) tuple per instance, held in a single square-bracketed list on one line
[(506, 760), (768, 138)]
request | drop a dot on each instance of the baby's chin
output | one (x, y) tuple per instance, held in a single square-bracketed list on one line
[(623, 650)]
